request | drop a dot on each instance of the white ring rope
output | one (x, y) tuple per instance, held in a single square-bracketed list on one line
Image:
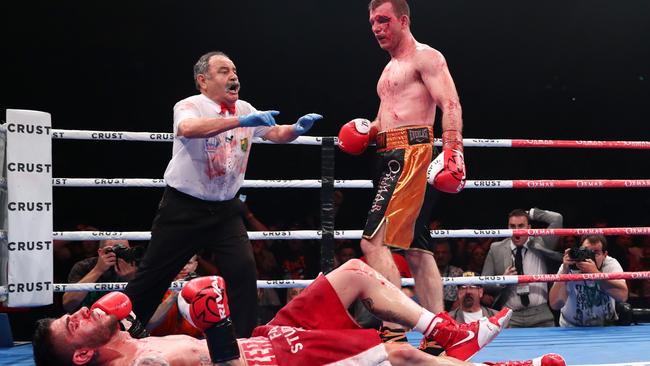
[(447, 281), (310, 140), (153, 137), (343, 183), (157, 183), (356, 234)]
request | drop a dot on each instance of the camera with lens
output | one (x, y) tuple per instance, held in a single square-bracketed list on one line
[(128, 254), (580, 254)]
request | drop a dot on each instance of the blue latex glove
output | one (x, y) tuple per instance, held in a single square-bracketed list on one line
[(305, 122), (263, 118)]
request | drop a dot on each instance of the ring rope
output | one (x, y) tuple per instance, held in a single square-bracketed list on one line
[(153, 137), (447, 281), (310, 140), (342, 183), (356, 234)]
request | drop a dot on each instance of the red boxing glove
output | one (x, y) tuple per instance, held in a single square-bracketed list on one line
[(355, 136), (114, 303), (203, 302), (447, 171), (119, 305)]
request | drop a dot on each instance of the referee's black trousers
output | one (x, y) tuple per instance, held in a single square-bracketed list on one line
[(183, 226)]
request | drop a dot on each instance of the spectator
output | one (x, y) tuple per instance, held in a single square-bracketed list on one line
[(85, 248), (522, 254), (640, 298), (293, 262), (63, 260), (268, 299), (567, 242), (465, 252), (166, 320), (442, 254), (345, 251), (485, 244), (476, 259), (105, 267), (298, 258), (265, 261), (588, 303), (469, 299), (267, 266)]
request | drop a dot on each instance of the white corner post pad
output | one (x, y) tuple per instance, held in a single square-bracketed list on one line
[(29, 208)]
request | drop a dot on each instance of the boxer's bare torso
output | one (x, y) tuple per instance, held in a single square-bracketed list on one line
[(405, 98), (177, 350), (188, 351), (415, 81)]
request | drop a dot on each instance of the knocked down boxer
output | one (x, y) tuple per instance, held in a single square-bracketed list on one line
[(313, 329)]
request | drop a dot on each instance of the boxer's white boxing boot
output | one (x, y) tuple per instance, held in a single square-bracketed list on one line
[(462, 341)]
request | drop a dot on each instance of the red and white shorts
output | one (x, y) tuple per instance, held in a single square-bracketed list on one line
[(315, 329)]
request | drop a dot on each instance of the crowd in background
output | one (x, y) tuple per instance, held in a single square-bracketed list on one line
[(90, 261)]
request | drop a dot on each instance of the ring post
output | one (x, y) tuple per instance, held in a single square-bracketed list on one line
[(4, 252), (29, 208), (327, 205)]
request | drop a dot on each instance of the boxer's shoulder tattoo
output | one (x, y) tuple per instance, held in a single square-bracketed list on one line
[(150, 361), (368, 304)]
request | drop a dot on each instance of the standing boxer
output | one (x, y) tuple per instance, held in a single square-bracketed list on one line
[(414, 82)]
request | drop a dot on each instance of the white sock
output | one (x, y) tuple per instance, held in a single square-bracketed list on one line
[(426, 323)]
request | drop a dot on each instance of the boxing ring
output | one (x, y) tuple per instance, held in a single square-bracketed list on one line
[(628, 345), (608, 346)]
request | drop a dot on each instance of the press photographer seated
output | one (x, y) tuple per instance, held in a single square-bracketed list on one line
[(588, 303), (115, 262)]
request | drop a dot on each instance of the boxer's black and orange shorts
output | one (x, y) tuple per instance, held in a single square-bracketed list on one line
[(400, 188)]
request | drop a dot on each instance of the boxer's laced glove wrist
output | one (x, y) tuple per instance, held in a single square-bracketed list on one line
[(222, 341), (119, 305), (447, 171), (135, 328), (203, 302)]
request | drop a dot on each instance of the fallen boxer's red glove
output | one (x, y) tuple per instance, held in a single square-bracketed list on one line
[(119, 305), (447, 171), (203, 302), (114, 303), (355, 136)]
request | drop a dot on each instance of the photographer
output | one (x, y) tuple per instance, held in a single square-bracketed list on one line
[(114, 263), (588, 303)]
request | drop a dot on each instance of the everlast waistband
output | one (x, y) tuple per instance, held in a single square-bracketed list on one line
[(402, 137)]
